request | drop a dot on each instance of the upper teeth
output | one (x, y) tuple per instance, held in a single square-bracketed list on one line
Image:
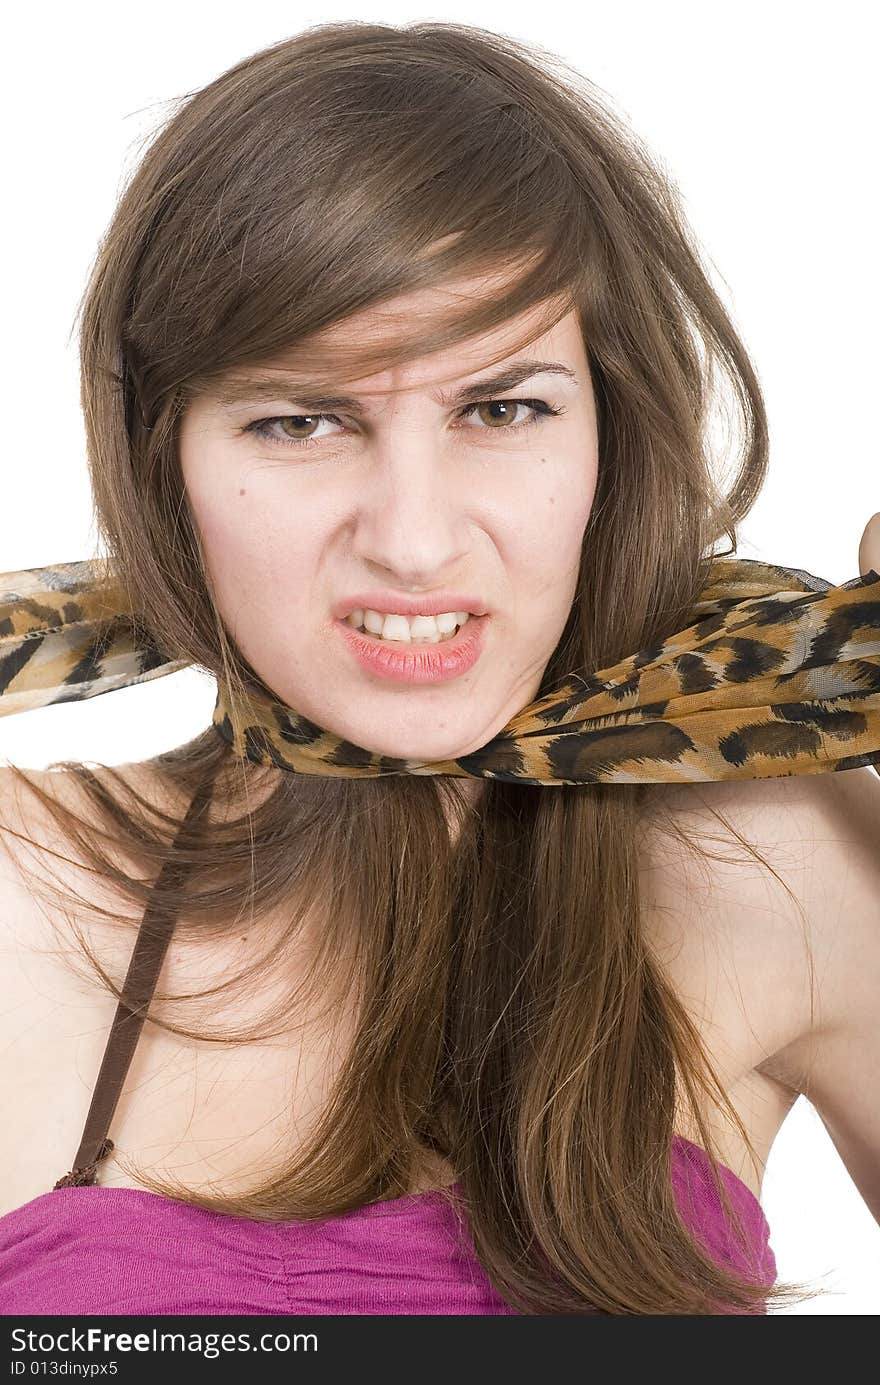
[(407, 628)]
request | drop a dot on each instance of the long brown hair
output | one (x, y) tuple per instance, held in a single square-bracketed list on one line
[(510, 1017)]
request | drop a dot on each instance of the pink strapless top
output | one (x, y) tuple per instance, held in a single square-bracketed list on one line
[(97, 1250)]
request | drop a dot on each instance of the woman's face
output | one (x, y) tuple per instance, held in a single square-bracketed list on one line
[(396, 497)]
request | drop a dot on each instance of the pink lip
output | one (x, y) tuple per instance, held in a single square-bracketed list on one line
[(418, 662), (388, 602)]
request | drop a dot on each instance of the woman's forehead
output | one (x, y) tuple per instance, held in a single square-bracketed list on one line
[(520, 340)]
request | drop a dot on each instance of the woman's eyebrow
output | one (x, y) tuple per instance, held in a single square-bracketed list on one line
[(274, 384)]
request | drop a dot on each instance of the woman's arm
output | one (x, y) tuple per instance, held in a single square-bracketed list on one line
[(787, 959), (835, 1061)]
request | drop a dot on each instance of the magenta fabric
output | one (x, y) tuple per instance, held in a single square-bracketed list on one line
[(96, 1250)]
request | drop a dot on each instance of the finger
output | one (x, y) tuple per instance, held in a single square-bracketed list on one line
[(869, 548)]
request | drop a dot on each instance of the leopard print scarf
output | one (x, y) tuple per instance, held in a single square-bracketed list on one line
[(776, 673)]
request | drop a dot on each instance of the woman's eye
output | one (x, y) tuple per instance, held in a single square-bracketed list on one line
[(498, 412), (263, 427), (502, 422)]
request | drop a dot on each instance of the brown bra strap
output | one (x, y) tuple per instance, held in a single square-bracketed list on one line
[(151, 944)]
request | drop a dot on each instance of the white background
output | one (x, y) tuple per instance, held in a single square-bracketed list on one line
[(765, 116)]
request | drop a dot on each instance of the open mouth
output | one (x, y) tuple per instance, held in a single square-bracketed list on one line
[(413, 641)]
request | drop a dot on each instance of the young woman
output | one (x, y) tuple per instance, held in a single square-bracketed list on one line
[(397, 365)]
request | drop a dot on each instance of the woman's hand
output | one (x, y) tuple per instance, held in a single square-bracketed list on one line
[(869, 548)]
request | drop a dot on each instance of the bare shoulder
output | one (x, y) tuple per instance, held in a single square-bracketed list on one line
[(32, 835), (26, 839), (44, 872), (778, 935), (36, 858)]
